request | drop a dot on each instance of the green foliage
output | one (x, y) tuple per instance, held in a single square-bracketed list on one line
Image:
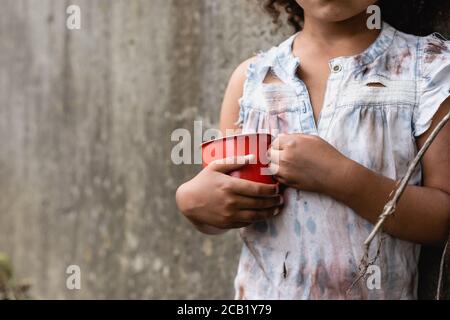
[(9, 287), (5, 267)]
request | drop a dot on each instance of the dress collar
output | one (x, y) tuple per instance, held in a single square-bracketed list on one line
[(289, 63)]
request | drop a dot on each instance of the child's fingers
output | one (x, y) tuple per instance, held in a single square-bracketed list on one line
[(239, 225), (278, 142), (250, 203), (253, 189), (274, 155), (230, 164), (274, 169), (250, 216)]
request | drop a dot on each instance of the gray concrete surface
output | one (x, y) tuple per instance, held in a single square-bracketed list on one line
[(85, 123)]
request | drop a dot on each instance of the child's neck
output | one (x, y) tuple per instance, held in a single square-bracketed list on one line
[(342, 38)]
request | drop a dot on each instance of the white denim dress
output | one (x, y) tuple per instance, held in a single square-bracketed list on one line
[(376, 104)]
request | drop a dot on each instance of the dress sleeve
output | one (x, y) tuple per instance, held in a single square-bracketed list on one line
[(434, 81)]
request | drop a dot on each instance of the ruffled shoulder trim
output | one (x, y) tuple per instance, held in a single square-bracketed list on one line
[(434, 77)]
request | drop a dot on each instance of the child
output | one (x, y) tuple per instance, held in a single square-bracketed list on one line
[(353, 106)]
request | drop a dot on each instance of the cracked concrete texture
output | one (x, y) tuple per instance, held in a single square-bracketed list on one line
[(85, 124)]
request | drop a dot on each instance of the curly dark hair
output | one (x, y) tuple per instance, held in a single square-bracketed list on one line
[(411, 16)]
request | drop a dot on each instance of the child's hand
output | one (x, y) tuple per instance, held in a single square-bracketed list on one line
[(214, 199), (306, 162)]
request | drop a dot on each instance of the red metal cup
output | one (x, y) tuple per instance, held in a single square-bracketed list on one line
[(256, 144)]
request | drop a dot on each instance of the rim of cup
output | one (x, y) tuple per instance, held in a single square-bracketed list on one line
[(236, 136)]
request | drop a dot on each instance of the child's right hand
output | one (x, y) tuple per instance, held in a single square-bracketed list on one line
[(215, 202)]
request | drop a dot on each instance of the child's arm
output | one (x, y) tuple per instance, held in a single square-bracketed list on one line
[(230, 106), (215, 202), (423, 212)]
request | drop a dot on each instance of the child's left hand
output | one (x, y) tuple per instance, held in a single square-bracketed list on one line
[(307, 162)]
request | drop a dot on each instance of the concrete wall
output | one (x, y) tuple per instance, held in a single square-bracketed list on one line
[(85, 123)]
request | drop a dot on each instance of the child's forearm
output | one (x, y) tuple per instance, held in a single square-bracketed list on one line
[(422, 214)]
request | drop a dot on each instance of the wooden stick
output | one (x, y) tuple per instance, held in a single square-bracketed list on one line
[(441, 273), (391, 205)]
